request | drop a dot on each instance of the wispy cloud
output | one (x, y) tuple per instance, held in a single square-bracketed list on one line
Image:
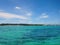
[(8, 15), (17, 7), (29, 14), (24, 12), (43, 15)]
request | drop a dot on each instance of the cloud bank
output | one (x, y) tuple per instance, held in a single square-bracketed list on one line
[(8, 15)]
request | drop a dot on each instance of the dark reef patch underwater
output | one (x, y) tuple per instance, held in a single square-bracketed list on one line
[(29, 35)]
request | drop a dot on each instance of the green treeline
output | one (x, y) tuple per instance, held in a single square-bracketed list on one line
[(24, 24), (30, 24)]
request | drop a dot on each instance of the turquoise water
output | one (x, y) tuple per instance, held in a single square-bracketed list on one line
[(29, 35)]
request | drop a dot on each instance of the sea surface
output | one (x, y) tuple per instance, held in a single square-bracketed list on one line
[(29, 35)]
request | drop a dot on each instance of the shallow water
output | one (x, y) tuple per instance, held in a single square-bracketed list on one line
[(29, 35)]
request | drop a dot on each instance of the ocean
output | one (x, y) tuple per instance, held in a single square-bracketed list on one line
[(29, 35)]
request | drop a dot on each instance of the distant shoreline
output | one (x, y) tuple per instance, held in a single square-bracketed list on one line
[(29, 24), (23, 24)]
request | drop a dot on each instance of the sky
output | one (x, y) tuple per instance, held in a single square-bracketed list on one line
[(30, 11)]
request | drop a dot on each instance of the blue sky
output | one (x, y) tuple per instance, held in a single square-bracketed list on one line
[(30, 11)]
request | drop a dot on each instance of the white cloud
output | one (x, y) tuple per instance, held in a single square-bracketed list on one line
[(43, 15), (17, 7), (23, 11), (29, 14), (8, 15)]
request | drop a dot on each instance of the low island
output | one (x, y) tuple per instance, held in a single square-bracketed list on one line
[(3, 24)]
